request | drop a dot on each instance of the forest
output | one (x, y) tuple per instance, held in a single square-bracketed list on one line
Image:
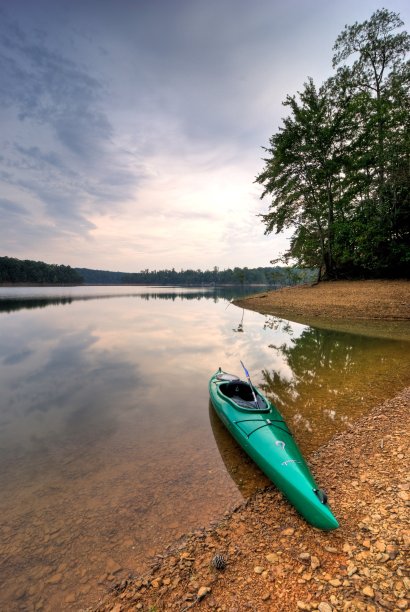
[(338, 169), (26, 271), (274, 276)]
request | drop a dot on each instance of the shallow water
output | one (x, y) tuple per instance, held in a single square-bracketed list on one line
[(108, 445)]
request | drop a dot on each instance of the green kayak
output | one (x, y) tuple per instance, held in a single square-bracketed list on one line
[(260, 429)]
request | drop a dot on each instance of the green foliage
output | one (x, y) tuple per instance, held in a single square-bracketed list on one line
[(338, 170), (26, 271)]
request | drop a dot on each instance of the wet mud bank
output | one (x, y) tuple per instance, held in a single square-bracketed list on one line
[(276, 561)]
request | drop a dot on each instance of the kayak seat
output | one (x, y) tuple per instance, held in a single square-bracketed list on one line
[(241, 393)]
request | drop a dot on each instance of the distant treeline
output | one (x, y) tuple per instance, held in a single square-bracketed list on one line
[(277, 276), (26, 271)]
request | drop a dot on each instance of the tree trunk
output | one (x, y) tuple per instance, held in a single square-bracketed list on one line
[(330, 264)]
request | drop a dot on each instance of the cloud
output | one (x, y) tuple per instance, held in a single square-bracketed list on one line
[(44, 86), (135, 133), (17, 357), (10, 208), (58, 143)]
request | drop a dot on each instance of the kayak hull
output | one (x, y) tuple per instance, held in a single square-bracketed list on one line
[(261, 431)]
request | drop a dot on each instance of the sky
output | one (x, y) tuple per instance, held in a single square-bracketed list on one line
[(132, 130)]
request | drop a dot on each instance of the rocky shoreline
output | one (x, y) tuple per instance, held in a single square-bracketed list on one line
[(276, 561)]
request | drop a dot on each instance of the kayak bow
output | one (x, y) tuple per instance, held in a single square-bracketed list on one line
[(260, 429)]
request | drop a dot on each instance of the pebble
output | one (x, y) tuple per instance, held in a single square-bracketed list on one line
[(380, 546), (368, 591), (392, 550), (258, 569), (204, 590), (55, 579), (288, 532), (325, 607), (112, 567), (314, 562), (305, 556)]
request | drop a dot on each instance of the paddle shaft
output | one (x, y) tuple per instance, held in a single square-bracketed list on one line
[(250, 383)]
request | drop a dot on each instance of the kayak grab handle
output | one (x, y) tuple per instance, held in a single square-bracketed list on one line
[(321, 495)]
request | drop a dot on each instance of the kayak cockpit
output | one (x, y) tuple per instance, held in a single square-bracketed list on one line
[(241, 394)]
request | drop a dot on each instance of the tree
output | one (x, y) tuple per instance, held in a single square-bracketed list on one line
[(27, 271), (378, 50), (338, 168), (303, 175), (380, 77)]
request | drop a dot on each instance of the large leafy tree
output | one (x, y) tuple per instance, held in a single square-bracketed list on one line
[(379, 77), (378, 53), (338, 168), (304, 174)]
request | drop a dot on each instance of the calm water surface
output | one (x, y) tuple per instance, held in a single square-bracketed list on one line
[(109, 448)]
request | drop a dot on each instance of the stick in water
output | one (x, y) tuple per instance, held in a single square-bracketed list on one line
[(250, 384)]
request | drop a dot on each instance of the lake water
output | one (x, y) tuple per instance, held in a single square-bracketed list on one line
[(109, 448)]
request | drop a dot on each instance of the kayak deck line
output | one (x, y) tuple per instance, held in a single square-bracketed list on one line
[(265, 424)]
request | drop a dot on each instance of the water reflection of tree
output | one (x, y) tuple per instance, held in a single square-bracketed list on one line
[(11, 304), (240, 324), (333, 378), (277, 324)]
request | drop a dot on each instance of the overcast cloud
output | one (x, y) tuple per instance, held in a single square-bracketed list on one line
[(132, 130)]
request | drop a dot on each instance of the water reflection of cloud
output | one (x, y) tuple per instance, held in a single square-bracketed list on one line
[(69, 388), (254, 346), (13, 299)]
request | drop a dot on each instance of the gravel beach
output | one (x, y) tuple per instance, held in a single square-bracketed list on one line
[(276, 561)]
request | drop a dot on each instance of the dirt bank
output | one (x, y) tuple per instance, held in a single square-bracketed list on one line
[(277, 562), (355, 300)]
